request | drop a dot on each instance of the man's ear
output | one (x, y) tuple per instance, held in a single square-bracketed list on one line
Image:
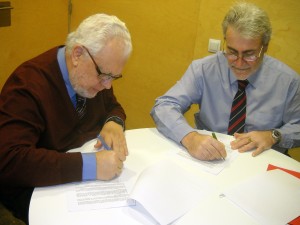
[(76, 52)]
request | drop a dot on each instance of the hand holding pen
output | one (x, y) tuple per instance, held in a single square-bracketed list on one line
[(203, 147), (103, 143), (112, 137), (215, 137), (109, 162)]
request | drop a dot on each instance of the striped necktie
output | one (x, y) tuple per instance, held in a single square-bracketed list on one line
[(238, 109), (80, 106)]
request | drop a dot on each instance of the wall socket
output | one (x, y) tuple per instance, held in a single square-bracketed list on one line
[(214, 45)]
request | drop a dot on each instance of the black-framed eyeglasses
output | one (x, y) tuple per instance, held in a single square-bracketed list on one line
[(101, 75), (247, 58)]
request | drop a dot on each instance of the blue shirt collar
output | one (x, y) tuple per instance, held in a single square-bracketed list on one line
[(61, 58)]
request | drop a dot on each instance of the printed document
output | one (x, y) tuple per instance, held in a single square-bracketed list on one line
[(165, 190), (98, 194)]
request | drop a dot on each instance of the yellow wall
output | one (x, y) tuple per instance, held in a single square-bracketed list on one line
[(163, 35), (35, 27), (167, 35), (285, 19)]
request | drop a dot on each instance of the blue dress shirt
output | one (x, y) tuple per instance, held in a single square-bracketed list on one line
[(89, 167), (273, 100)]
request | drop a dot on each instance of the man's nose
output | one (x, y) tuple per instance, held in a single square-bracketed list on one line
[(240, 61)]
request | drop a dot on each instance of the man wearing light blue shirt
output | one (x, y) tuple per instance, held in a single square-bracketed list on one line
[(273, 93)]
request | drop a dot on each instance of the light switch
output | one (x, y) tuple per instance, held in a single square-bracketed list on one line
[(214, 45), (5, 14)]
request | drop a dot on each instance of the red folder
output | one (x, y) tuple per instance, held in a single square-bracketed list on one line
[(294, 173), (295, 221)]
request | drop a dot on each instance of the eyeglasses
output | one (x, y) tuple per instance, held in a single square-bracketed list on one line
[(247, 58), (101, 75)]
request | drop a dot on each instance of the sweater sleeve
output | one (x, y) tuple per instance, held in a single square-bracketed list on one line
[(32, 151)]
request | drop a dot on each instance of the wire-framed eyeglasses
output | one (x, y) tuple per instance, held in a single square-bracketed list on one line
[(101, 75), (247, 57)]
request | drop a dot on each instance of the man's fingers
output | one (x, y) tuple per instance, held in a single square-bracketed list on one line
[(258, 151)]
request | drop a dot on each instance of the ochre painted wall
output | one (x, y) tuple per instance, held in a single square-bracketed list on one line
[(36, 26), (163, 35), (167, 35), (285, 19)]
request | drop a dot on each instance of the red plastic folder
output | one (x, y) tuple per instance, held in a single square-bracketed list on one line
[(296, 221), (292, 172)]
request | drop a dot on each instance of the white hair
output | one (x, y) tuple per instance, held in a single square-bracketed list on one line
[(96, 30), (250, 20)]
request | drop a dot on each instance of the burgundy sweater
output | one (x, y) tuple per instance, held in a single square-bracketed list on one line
[(38, 124)]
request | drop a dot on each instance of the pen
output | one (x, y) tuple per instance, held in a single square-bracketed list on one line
[(103, 142), (215, 137)]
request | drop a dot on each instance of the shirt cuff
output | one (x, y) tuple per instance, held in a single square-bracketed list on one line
[(89, 166)]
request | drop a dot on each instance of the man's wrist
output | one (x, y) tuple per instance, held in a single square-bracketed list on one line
[(276, 135), (117, 120), (188, 139)]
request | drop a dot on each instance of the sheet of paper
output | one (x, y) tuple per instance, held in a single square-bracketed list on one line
[(272, 198), (167, 191), (90, 195), (214, 166), (164, 190), (98, 194), (87, 147)]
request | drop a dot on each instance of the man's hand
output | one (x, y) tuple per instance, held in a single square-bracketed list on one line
[(114, 137), (110, 163), (203, 147), (258, 140)]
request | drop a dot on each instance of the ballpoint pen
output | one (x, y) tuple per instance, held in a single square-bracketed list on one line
[(106, 147), (215, 137)]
